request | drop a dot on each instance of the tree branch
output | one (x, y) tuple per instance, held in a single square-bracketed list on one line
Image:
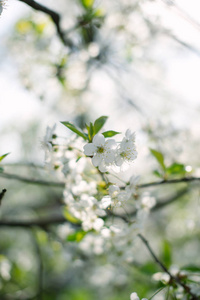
[(172, 278), (170, 181), (62, 184), (32, 181), (56, 18), (45, 222)]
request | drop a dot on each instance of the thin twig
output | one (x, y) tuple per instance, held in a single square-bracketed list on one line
[(32, 181), (62, 184), (162, 266), (56, 18), (170, 181)]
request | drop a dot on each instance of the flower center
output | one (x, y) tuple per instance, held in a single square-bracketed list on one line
[(100, 149)]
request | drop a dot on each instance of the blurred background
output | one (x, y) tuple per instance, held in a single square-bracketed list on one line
[(137, 62)]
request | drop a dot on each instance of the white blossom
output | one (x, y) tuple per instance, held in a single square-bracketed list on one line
[(47, 141), (116, 197), (131, 187), (134, 296), (126, 152), (102, 152)]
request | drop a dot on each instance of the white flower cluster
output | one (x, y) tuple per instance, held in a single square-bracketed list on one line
[(179, 291), (107, 153)]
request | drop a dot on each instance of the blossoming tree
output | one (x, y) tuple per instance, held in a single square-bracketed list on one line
[(85, 224)]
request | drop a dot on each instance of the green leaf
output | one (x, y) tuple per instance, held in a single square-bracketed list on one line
[(98, 124), (69, 217), (76, 130), (176, 169), (166, 255), (157, 173), (191, 268), (87, 3), (110, 133), (76, 236), (3, 156), (149, 268), (159, 157), (90, 130)]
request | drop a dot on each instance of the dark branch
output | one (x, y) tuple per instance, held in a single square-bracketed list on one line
[(44, 223), (172, 278), (32, 181), (170, 181), (62, 184), (54, 16)]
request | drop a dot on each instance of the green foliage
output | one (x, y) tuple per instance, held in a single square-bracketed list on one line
[(166, 253), (24, 26), (192, 268), (3, 156), (159, 157), (76, 130), (69, 217), (90, 130), (88, 4), (99, 123), (76, 236), (110, 133), (149, 268), (176, 169)]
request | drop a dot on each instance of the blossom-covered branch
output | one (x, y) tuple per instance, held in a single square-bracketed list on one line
[(162, 266)]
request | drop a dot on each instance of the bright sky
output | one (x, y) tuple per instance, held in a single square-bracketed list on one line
[(20, 107)]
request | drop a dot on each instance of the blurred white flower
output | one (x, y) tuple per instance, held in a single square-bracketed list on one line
[(131, 187), (134, 296), (126, 151), (102, 152), (116, 197), (47, 141)]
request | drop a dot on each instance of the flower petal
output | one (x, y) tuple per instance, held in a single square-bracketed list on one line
[(110, 144), (96, 160), (89, 149), (109, 157), (98, 140)]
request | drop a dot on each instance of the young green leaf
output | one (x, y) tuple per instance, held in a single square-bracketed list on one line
[(76, 130), (87, 3), (159, 157), (3, 156), (76, 236), (157, 173), (69, 217), (98, 124), (110, 133), (166, 255), (176, 169), (90, 130)]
